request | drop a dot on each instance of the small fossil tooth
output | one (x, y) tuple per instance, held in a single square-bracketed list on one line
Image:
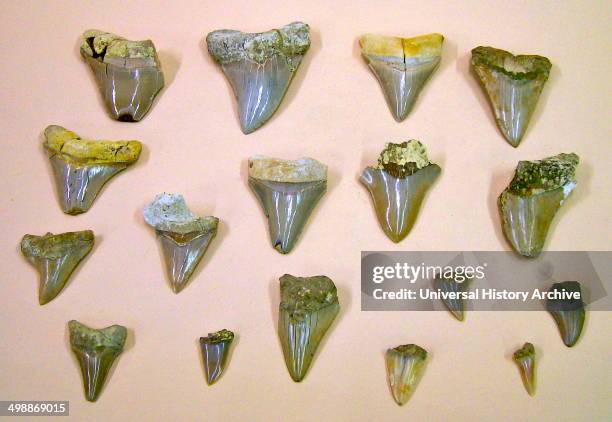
[(215, 353), (288, 191), (402, 66), (55, 256), (81, 167), (308, 307), (128, 73), (455, 286), (184, 236), (96, 350), (513, 85), (405, 367), (259, 67), (568, 312), (398, 185), (525, 359), (529, 204)]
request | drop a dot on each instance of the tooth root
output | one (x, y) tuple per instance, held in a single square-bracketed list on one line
[(569, 313), (525, 359), (405, 367), (455, 306), (96, 350), (215, 352), (56, 257), (308, 308)]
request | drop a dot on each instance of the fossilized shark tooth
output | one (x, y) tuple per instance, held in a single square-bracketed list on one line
[(96, 350), (405, 367), (455, 286), (398, 185), (568, 312), (215, 353), (513, 85), (184, 236), (402, 66), (288, 191), (128, 73), (55, 256), (259, 67), (525, 359), (529, 204), (81, 167), (308, 307)]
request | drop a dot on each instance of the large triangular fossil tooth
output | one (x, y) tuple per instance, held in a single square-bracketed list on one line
[(402, 66), (96, 350), (529, 204), (215, 353), (308, 307), (259, 67), (184, 236), (455, 287), (128, 73), (288, 191), (405, 367), (56, 256), (81, 167), (513, 85), (568, 312), (398, 185), (525, 359)]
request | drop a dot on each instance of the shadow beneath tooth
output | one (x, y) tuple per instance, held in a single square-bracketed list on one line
[(170, 64), (499, 182)]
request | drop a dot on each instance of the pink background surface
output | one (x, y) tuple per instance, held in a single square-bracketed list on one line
[(334, 112)]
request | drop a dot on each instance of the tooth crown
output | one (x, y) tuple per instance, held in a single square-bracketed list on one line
[(569, 313), (449, 284), (215, 352), (405, 366), (525, 359)]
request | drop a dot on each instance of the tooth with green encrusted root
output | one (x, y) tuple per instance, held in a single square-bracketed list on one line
[(525, 359), (405, 368), (96, 351), (567, 308), (529, 204), (56, 256), (454, 287), (402, 66), (81, 167), (513, 85), (128, 73), (398, 185), (308, 308), (288, 191), (184, 236), (215, 353)]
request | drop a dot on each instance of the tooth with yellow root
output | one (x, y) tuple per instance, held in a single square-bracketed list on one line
[(405, 367)]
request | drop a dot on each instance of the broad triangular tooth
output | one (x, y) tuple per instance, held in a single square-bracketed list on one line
[(81, 167), (398, 185), (529, 204), (402, 66), (513, 85), (456, 285), (215, 353), (405, 367), (128, 73), (96, 350), (56, 256), (308, 308), (259, 67), (525, 359), (569, 313), (288, 191), (184, 236)]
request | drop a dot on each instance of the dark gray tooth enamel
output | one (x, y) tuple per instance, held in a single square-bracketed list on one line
[(569, 313), (456, 306), (215, 353)]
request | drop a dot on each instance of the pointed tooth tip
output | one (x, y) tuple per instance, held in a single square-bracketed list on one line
[(459, 315)]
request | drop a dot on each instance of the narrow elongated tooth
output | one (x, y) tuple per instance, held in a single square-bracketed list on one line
[(525, 359), (308, 307), (402, 66), (288, 191), (128, 73), (398, 185), (96, 350), (405, 367), (568, 312), (81, 167), (184, 236), (529, 204), (259, 67), (513, 85), (215, 353), (454, 286), (56, 256)]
